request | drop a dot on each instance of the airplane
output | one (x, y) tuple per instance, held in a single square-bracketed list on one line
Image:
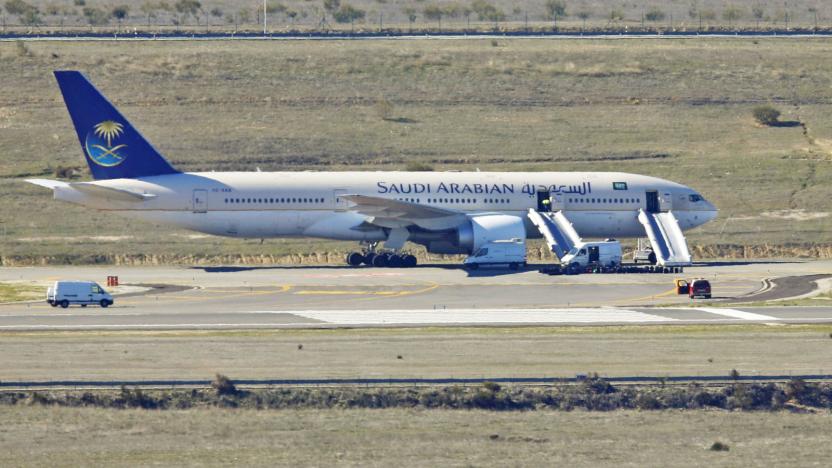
[(446, 212)]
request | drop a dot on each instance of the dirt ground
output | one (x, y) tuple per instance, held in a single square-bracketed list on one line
[(43, 436), (464, 352)]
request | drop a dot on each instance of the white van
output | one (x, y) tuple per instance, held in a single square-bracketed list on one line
[(504, 252), (607, 253), (84, 293)]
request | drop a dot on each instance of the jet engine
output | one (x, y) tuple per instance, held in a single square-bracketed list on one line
[(471, 235)]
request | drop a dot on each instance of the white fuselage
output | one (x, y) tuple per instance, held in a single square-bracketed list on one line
[(307, 204)]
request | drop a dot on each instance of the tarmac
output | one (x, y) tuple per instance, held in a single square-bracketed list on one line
[(323, 297)]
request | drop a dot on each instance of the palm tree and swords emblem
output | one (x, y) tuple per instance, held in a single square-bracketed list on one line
[(100, 143)]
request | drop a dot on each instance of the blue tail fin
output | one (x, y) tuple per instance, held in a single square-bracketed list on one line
[(112, 147)]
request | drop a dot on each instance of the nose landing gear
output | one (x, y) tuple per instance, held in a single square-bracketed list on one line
[(370, 257)]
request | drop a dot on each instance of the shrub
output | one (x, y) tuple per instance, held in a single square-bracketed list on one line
[(223, 385), (348, 14), (766, 115), (384, 109), (719, 447), (416, 166), (493, 387), (654, 15)]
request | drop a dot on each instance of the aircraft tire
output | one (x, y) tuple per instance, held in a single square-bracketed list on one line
[(380, 261), (368, 258), (355, 259), (395, 261), (409, 261)]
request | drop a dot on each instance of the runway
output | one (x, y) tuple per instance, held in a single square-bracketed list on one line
[(331, 297), (370, 318)]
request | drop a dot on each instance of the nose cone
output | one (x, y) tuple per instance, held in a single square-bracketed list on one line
[(711, 211)]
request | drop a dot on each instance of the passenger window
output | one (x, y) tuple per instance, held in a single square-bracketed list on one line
[(96, 289), (582, 252)]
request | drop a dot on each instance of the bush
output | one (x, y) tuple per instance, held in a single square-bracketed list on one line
[(493, 387), (384, 109), (223, 385), (766, 115), (654, 15), (416, 166), (348, 14), (719, 447)]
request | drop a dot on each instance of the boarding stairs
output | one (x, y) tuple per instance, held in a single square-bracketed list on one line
[(666, 237), (559, 233)]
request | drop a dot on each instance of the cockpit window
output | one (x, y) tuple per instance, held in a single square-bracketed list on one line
[(695, 198)]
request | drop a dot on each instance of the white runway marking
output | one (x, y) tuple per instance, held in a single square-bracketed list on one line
[(473, 316), (734, 313)]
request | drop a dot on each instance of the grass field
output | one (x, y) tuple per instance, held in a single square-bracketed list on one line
[(425, 353), (307, 14), (38, 436), (678, 109), (13, 292)]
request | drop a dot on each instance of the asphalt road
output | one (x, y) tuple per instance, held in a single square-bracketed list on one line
[(306, 297)]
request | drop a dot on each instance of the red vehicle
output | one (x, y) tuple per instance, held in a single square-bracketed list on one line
[(699, 287)]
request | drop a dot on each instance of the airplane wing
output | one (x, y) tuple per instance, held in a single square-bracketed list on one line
[(395, 214)]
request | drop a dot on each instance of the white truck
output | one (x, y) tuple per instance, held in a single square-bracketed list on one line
[(606, 254), (511, 252), (83, 293)]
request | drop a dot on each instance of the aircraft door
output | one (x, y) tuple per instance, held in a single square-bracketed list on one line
[(200, 201), (543, 202), (652, 201)]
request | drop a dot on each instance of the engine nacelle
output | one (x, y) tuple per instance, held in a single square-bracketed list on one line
[(489, 228)]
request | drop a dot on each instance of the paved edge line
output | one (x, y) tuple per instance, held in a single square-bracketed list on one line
[(734, 313)]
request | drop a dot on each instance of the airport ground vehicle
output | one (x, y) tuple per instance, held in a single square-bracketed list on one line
[(693, 288), (604, 254), (83, 293), (699, 287), (508, 252)]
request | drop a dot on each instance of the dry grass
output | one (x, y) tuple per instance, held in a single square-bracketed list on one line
[(37, 436), (13, 292), (675, 109), (429, 353), (393, 14)]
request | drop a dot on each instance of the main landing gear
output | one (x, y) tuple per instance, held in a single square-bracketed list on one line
[(372, 258)]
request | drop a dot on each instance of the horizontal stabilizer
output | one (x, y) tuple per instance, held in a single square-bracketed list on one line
[(93, 190), (50, 184), (110, 192)]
